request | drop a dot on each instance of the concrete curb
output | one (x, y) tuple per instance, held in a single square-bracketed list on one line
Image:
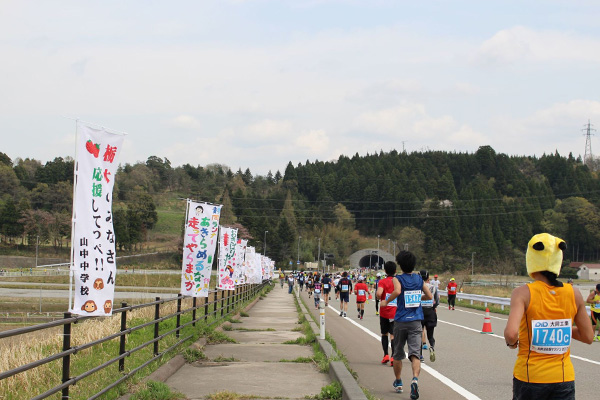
[(337, 369)]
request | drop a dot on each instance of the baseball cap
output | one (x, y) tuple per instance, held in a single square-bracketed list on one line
[(435, 276), (451, 279)]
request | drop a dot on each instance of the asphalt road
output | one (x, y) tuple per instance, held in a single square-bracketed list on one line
[(468, 364)]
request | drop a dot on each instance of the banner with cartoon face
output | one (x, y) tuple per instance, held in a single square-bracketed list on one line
[(227, 259), (199, 244), (93, 252), (240, 272)]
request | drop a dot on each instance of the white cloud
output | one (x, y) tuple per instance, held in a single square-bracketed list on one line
[(316, 141), (521, 43), (186, 122)]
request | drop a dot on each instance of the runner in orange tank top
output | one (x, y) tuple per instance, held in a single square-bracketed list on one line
[(540, 324)]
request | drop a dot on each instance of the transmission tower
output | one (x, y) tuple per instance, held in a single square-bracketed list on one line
[(588, 159)]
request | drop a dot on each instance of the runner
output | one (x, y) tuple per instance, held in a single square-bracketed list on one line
[(361, 290), (281, 279), (290, 283), (326, 281), (309, 284), (429, 317), (375, 287), (540, 324), (317, 287), (301, 280), (386, 317), (594, 300), (451, 293), (335, 283), (344, 288), (407, 321)]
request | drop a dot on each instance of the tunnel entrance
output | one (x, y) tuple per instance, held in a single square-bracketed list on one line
[(371, 261)]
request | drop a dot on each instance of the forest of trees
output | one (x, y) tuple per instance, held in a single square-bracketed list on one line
[(447, 207)]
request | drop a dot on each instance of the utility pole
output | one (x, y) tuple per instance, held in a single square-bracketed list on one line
[(265, 244), (377, 252), (319, 255), (298, 260), (588, 159), (472, 261)]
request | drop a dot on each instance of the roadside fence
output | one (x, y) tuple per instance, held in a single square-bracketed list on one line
[(151, 337)]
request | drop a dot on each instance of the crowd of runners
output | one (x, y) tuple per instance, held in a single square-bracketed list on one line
[(406, 303)]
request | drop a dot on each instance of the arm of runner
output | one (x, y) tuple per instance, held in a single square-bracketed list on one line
[(426, 292), (590, 298), (379, 293), (394, 294), (583, 331), (518, 302)]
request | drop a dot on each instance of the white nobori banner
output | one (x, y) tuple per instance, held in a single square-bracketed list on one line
[(93, 252), (227, 259), (199, 244)]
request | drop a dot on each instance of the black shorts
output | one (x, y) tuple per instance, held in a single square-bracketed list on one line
[(386, 325), (345, 296), (429, 317), (595, 317)]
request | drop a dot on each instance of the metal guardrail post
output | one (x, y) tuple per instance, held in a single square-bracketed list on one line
[(206, 308), (194, 311), (228, 300), (215, 303), (66, 369), (222, 302), (156, 318), (122, 340), (177, 333)]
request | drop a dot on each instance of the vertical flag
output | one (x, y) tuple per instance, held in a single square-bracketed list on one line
[(199, 244), (93, 242), (240, 272), (227, 259)]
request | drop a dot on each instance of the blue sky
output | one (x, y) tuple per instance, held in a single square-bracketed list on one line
[(259, 83)]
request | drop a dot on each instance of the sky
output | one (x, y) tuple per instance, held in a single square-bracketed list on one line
[(258, 83)]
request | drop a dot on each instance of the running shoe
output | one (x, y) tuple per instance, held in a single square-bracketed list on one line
[(422, 358), (386, 359), (414, 389), (341, 313), (425, 346), (431, 354), (391, 361), (358, 315), (452, 308), (597, 339), (345, 315), (398, 385), (376, 312)]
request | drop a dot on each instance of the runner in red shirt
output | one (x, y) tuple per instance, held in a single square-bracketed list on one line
[(451, 293), (387, 313), (361, 290)]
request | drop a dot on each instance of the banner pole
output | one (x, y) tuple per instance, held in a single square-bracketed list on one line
[(73, 218), (185, 221)]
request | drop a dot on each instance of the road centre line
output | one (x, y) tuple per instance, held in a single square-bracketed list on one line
[(448, 382), (502, 337)]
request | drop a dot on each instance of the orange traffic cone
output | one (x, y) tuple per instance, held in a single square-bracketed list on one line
[(487, 322), (370, 296)]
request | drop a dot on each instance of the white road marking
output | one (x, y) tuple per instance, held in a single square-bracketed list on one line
[(446, 381), (502, 337), (491, 316)]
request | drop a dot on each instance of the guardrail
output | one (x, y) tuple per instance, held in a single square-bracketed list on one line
[(216, 309), (501, 301)]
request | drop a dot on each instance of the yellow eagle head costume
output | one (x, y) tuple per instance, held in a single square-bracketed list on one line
[(545, 253)]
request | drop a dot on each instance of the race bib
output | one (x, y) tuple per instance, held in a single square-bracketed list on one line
[(393, 303), (326, 286), (412, 298), (427, 303), (361, 292), (344, 288), (551, 336), (317, 291)]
